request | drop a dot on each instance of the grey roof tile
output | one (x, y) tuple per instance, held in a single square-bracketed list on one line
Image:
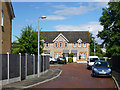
[(72, 36)]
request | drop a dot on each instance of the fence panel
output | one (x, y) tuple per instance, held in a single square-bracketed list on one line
[(36, 64), (116, 63), (45, 60), (0, 67), (30, 65), (14, 65), (22, 67), (48, 65), (41, 61), (4, 66)]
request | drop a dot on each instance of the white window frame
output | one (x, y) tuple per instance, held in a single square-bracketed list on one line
[(79, 44), (60, 44), (84, 44), (74, 44), (1, 17), (47, 44), (82, 55), (65, 44), (55, 44)]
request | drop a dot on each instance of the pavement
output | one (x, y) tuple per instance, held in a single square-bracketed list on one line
[(46, 77), (78, 76)]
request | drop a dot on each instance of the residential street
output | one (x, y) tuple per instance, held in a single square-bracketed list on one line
[(77, 76)]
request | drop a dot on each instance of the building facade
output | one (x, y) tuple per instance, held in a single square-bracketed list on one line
[(62, 43), (6, 17)]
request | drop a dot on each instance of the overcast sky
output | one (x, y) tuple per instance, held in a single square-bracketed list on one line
[(61, 16)]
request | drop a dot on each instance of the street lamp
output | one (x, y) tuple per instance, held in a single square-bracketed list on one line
[(42, 17), (94, 46)]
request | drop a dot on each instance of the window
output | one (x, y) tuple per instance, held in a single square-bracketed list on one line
[(60, 44), (79, 44), (74, 44), (47, 44), (55, 44), (2, 18), (57, 55), (82, 55), (84, 44), (65, 44)]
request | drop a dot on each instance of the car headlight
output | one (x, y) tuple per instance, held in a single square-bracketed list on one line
[(109, 69), (95, 69)]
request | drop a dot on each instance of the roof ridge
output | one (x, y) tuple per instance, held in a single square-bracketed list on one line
[(64, 31)]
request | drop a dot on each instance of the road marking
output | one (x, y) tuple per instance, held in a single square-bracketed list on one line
[(116, 83)]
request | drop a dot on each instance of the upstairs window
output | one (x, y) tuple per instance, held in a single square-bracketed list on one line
[(2, 18), (84, 44), (47, 44), (79, 44), (74, 45), (65, 44), (60, 44), (55, 44)]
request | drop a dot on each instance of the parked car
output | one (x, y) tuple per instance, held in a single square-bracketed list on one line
[(61, 60), (91, 60), (101, 68), (52, 60)]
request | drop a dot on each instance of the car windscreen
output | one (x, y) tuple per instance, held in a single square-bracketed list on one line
[(101, 64), (93, 59)]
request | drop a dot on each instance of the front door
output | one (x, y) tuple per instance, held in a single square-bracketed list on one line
[(74, 57), (66, 56)]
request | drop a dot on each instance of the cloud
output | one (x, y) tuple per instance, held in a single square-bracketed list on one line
[(65, 10), (93, 27), (55, 17)]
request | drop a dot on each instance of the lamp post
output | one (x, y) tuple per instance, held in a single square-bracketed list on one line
[(42, 17), (94, 46)]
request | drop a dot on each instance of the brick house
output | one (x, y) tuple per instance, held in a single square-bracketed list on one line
[(7, 14), (61, 43)]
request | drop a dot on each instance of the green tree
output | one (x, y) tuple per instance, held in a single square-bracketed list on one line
[(15, 50), (98, 50), (110, 20), (28, 41)]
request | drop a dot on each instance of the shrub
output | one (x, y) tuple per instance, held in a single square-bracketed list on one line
[(70, 55), (70, 59)]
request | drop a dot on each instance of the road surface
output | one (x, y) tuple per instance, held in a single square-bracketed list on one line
[(77, 76)]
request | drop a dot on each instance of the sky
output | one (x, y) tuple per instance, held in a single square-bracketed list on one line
[(61, 16)]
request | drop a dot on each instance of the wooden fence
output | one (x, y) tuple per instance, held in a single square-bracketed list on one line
[(17, 67)]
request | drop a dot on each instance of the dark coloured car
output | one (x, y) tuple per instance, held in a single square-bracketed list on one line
[(61, 60), (101, 68)]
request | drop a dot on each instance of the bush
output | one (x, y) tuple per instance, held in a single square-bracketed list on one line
[(70, 59), (70, 55)]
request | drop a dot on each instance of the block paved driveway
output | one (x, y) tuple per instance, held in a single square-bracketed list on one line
[(77, 76)]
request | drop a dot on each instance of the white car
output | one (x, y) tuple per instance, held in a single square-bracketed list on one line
[(91, 60), (52, 60)]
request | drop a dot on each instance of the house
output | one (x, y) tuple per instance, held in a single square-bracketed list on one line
[(7, 14), (62, 43)]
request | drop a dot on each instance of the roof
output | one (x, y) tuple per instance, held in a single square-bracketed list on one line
[(10, 7), (72, 36)]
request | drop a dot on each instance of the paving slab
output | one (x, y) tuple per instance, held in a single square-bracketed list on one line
[(34, 81)]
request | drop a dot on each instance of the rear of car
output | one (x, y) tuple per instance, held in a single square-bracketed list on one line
[(101, 68), (52, 60), (91, 60), (61, 60)]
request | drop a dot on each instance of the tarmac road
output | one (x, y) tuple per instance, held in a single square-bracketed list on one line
[(77, 76)]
